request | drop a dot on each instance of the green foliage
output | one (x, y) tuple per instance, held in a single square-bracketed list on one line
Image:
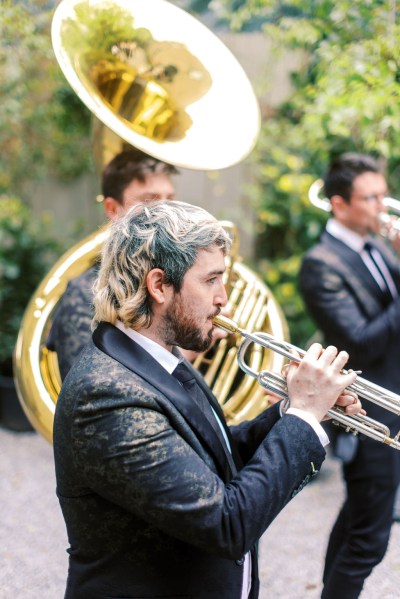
[(249, 14), (99, 27), (26, 253), (44, 128), (345, 98)]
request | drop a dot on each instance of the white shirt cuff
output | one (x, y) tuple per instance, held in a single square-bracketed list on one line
[(313, 422)]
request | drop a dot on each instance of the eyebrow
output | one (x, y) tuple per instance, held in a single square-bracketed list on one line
[(147, 195), (214, 273)]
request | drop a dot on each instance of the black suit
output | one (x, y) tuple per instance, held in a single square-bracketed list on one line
[(151, 505), (356, 315)]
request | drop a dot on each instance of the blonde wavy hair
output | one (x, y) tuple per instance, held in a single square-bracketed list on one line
[(165, 235)]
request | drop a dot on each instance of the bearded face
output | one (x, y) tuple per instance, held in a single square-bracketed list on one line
[(186, 328), (187, 320)]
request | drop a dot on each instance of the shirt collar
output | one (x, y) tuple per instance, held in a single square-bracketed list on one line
[(352, 239), (168, 360)]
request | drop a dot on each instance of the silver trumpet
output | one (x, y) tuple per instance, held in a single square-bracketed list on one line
[(276, 383)]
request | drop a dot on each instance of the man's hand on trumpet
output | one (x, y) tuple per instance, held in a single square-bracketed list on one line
[(317, 383), (395, 240)]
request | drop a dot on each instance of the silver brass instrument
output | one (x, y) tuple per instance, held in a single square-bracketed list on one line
[(276, 383), (389, 221)]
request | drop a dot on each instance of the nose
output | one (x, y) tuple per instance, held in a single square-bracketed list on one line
[(380, 199), (221, 298), (381, 208)]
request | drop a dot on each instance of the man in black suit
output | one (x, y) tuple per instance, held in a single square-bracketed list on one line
[(129, 178), (159, 496), (350, 282)]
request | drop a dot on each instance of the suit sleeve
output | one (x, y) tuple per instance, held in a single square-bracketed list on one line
[(340, 316), (138, 459), (249, 434), (71, 328)]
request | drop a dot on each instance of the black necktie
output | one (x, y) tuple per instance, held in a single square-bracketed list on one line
[(189, 383), (380, 265)]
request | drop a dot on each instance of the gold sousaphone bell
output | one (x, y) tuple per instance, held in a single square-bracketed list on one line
[(159, 80)]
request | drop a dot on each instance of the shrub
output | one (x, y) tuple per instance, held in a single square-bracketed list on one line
[(26, 252)]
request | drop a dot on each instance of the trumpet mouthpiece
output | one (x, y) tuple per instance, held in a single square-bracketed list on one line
[(226, 324)]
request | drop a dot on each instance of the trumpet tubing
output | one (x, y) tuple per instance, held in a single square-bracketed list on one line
[(389, 224), (276, 383)]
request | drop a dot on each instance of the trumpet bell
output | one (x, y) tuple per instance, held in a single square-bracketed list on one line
[(158, 79)]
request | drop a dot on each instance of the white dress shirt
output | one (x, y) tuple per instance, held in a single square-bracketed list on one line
[(356, 242)]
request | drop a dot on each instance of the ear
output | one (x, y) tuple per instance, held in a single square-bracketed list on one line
[(112, 208), (157, 288), (339, 206)]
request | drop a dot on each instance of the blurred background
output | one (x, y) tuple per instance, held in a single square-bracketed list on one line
[(327, 77)]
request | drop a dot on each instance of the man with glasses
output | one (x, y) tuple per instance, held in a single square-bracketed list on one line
[(350, 282)]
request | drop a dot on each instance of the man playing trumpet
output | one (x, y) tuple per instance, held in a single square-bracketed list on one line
[(351, 285), (159, 496)]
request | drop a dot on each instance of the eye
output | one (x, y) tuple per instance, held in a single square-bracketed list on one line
[(150, 197), (211, 280)]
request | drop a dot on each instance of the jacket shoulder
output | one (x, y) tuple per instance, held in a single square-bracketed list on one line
[(96, 374)]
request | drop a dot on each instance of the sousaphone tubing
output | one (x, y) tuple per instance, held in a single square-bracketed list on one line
[(156, 79)]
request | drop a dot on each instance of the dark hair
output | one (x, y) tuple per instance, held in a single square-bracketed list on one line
[(129, 165), (344, 169)]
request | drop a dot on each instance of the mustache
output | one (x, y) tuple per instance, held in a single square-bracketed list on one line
[(217, 311)]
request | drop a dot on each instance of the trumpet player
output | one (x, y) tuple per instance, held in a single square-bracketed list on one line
[(350, 282), (159, 496)]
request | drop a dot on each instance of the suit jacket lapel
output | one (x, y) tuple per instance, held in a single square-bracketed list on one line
[(122, 348), (391, 262), (351, 266)]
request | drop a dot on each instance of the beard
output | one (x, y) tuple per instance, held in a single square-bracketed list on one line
[(181, 328)]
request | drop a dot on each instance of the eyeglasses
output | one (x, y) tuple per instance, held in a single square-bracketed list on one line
[(373, 197)]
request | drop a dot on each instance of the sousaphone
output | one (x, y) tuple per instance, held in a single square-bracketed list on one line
[(159, 80)]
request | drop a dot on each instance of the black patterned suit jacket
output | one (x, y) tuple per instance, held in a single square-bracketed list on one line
[(354, 314), (151, 505)]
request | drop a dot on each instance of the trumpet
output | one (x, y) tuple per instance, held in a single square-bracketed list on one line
[(276, 383), (389, 220)]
